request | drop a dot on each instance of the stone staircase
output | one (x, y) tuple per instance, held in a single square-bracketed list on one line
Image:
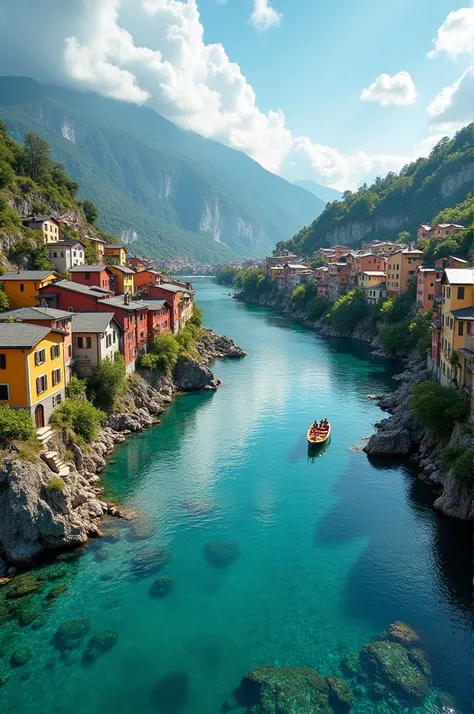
[(54, 462), (44, 435)]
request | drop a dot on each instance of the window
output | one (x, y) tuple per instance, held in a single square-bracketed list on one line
[(88, 342), (55, 254), (448, 292), (40, 357), (468, 328), (461, 293), (22, 288), (80, 342), (54, 351), (430, 297), (41, 384), (70, 309), (4, 392), (59, 399), (87, 276), (451, 322), (56, 376), (460, 328), (69, 351), (113, 336), (3, 361), (62, 254), (411, 272)]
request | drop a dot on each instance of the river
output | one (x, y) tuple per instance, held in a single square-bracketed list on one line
[(331, 550)]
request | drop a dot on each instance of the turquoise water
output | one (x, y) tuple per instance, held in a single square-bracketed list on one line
[(332, 550)]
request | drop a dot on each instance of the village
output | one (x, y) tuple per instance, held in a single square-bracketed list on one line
[(386, 270), (65, 321)]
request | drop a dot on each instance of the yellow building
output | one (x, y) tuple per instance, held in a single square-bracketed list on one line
[(457, 318), (22, 286), (46, 224), (31, 369), (99, 246), (123, 279), (115, 254), (373, 284), (401, 270)]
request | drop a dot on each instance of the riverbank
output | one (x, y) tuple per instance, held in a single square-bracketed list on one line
[(41, 512)]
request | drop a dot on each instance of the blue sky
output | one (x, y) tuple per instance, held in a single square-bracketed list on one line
[(335, 92)]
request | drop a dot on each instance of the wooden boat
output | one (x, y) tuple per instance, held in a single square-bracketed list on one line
[(318, 438)]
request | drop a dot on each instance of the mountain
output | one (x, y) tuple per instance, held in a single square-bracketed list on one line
[(325, 193), (396, 203), (172, 191)]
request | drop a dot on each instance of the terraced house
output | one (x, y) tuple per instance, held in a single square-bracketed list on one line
[(401, 270), (22, 287), (31, 369)]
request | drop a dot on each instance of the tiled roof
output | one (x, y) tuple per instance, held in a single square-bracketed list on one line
[(35, 313), (64, 243), (122, 268), (172, 288), (118, 301), (26, 275), (451, 225), (87, 268), (37, 218), (156, 304), (21, 334), (91, 321), (374, 272), (460, 276), (115, 245), (464, 313), (79, 288)]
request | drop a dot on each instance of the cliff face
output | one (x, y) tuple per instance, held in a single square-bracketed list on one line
[(352, 233)]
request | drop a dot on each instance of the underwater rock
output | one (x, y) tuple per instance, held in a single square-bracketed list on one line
[(221, 553), (21, 656), (111, 535), (340, 696), (27, 615), (401, 633), (142, 529), (359, 691), (350, 663), (70, 634), (389, 662), (3, 679), (170, 695), (99, 644), (21, 586), (56, 571), (274, 690), (377, 690), (418, 657), (102, 554), (56, 592), (39, 622), (148, 560), (70, 556), (161, 587), (107, 576)]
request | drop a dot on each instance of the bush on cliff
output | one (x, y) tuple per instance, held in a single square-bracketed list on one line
[(438, 408), (197, 317), (226, 275), (459, 461), (79, 416), (107, 382), (348, 310), (15, 425), (76, 387), (402, 337), (163, 355)]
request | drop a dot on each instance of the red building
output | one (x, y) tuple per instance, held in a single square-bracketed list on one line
[(70, 296), (425, 289), (92, 275), (178, 298), (132, 316), (159, 318), (145, 278)]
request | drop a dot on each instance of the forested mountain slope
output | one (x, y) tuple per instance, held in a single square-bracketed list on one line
[(173, 191), (398, 202)]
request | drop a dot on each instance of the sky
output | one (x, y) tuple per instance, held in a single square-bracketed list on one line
[(337, 92)]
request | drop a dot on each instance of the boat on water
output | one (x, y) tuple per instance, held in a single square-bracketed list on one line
[(317, 436)]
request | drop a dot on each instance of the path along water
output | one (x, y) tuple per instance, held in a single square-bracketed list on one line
[(331, 550)]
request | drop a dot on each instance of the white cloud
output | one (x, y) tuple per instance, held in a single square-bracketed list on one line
[(456, 35), (264, 15), (386, 90), (454, 105)]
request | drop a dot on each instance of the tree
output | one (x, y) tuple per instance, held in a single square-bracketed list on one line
[(80, 416), (37, 157), (348, 310), (90, 211), (165, 351), (4, 302), (15, 425), (197, 316), (438, 408), (107, 382), (403, 237)]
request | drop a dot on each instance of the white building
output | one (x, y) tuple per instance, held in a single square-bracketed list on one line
[(65, 254), (95, 336)]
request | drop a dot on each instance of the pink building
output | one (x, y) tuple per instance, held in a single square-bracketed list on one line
[(425, 289), (440, 231)]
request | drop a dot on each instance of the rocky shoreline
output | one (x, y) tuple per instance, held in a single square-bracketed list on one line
[(39, 514)]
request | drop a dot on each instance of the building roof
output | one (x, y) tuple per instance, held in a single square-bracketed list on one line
[(425, 227), (95, 240), (64, 243), (298, 266), (157, 304), (35, 313), (115, 245), (451, 225), (172, 288), (87, 268), (91, 321), (118, 301), (412, 251), (452, 257), (123, 269), (79, 288), (148, 270), (464, 313), (21, 334), (459, 276), (276, 267), (38, 218), (420, 269), (379, 286), (27, 275), (374, 272)]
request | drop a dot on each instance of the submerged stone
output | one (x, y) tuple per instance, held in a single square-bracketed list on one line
[(70, 634), (99, 644), (27, 615), (340, 696), (221, 553), (22, 586), (350, 663), (70, 556), (389, 663), (21, 656), (58, 571), (102, 554), (148, 560), (402, 633), (161, 587), (56, 592), (142, 529), (418, 657), (111, 535), (3, 679), (170, 695)]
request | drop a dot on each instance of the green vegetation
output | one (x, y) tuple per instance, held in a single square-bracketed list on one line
[(90, 211), (107, 382), (305, 299), (226, 275), (197, 316), (460, 462), (253, 283), (56, 484), (348, 310), (4, 302), (76, 387), (438, 408), (163, 355), (79, 417), (15, 425), (400, 338), (415, 192)]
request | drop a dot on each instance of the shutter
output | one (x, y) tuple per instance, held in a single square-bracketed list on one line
[(51, 349), (53, 377), (36, 359), (38, 388), (45, 382)]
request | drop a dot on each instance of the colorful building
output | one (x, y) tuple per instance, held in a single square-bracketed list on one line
[(159, 318), (373, 283), (321, 277), (439, 231), (338, 279), (22, 287), (362, 262), (95, 336), (456, 322), (99, 246), (71, 296), (132, 316), (115, 254), (91, 275), (401, 270), (122, 279), (66, 254), (379, 247), (146, 277), (31, 369), (180, 300), (48, 225), (425, 289), (278, 260)]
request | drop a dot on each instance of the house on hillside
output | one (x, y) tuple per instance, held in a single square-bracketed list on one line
[(425, 289), (374, 285), (159, 318), (401, 270), (66, 254), (181, 302), (439, 231), (95, 336), (22, 287), (71, 296), (132, 316), (115, 254), (122, 280), (91, 275), (48, 225)]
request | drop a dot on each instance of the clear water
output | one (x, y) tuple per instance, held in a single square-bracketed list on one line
[(331, 550)]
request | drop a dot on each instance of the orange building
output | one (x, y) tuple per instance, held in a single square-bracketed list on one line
[(401, 270), (425, 289)]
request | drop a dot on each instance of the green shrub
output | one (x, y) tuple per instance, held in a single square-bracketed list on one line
[(438, 408), (56, 484), (348, 310), (15, 425), (460, 462), (150, 361), (29, 450), (76, 387), (197, 316), (80, 416), (107, 382), (166, 349), (4, 302)]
